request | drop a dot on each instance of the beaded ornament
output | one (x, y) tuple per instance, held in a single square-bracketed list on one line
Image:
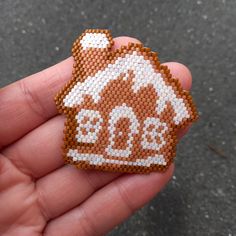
[(122, 107)]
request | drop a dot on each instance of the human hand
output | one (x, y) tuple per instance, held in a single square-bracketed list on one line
[(38, 193)]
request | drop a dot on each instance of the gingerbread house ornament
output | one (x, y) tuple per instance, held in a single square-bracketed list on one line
[(122, 107)]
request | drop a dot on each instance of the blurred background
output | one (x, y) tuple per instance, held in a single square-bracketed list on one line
[(201, 198)]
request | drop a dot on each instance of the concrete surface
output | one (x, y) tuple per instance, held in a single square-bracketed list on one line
[(201, 198)]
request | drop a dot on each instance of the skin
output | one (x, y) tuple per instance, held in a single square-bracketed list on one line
[(38, 193)]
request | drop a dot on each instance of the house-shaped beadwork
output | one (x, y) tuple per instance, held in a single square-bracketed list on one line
[(122, 107)]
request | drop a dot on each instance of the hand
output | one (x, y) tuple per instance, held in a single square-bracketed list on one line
[(38, 193)]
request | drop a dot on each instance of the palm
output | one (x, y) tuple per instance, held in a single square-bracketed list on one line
[(38, 193)]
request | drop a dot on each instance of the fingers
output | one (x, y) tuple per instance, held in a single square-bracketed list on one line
[(67, 187), (48, 138), (183, 74), (16, 196), (9, 174), (124, 40), (39, 152), (110, 205), (29, 102)]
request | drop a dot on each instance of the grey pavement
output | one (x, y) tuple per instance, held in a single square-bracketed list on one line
[(201, 198)]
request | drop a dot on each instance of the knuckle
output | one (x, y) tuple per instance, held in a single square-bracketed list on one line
[(32, 99)]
